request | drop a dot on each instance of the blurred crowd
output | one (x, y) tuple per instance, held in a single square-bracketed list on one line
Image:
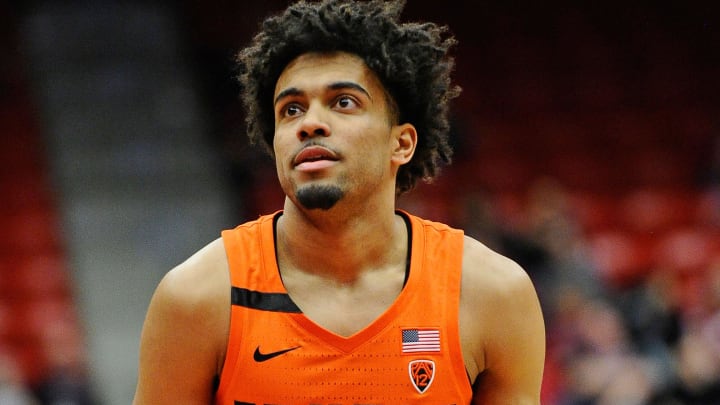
[(650, 339), (62, 376)]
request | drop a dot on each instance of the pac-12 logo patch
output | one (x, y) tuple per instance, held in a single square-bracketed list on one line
[(422, 373)]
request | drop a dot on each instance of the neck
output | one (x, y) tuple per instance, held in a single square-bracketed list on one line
[(340, 247)]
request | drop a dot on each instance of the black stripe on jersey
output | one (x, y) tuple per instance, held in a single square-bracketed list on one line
[(274, 302)]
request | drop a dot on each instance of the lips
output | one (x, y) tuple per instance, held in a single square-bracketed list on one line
[(314, 154)]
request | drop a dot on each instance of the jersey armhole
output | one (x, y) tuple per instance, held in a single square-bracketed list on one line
[(229, 366)]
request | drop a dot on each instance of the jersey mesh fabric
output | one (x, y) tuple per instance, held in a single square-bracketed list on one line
[(409, 354)]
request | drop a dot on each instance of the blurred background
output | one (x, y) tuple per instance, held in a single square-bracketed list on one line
[(587, 146)]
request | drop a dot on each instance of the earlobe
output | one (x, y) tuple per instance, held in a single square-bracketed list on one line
[(405, 143)]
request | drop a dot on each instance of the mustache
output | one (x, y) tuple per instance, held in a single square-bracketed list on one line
[(313, 142)]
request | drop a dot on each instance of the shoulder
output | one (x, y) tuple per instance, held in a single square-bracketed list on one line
[(494, 286), (198, 280), (489, 272), (195, 295), (185, 331), (499, 308)]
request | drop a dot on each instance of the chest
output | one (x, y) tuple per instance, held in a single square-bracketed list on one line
[(346, 309), (409, 353)]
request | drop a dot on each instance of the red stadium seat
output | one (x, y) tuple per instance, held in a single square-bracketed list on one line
[(649, 210), (688, 249), (621, 258)]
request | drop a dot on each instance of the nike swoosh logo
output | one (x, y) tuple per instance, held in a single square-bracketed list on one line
[(260, 357)]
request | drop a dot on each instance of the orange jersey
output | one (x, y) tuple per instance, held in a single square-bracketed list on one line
[(409, 354)]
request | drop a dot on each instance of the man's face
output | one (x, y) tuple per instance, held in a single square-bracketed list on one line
[(333, 131)]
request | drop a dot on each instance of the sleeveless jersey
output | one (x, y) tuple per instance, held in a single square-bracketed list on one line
[(410, 354)]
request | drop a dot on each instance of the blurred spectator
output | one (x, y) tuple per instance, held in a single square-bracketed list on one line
[(552, 225), (67, 381), (698, 368), (479, 219), (603, 368), (12, 389), (698, 354)]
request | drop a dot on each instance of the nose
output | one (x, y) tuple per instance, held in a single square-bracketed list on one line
[(313, 124)]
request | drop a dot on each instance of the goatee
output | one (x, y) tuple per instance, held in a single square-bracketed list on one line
[(321, 197)]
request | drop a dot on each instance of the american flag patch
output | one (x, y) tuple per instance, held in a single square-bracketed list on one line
[(420, 340)]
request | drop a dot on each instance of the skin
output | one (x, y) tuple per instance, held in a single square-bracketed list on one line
[(345, 254)]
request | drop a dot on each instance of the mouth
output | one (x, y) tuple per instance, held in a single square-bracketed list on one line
[(313, 154)]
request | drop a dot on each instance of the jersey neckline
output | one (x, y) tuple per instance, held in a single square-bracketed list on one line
[(364, 335)]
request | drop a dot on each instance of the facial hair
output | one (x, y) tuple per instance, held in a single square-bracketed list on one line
[(321, 197)]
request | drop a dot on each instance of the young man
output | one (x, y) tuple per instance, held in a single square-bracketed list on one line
[(340, 298)]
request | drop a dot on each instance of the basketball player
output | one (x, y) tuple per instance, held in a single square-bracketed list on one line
[(341, 298)]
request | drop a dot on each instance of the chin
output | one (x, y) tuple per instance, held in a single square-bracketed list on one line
[(322, 197)]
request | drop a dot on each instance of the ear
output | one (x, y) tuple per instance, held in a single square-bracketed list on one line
[(405, 141)]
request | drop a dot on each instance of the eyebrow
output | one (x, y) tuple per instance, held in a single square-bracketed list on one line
[(294, 91)]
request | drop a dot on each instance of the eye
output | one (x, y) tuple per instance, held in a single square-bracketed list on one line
[(346, 102), (291, 110)]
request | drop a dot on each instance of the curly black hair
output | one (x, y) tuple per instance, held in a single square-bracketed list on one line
[(410, 59)]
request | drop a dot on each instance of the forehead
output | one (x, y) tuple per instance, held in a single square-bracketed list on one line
[(312, 70)]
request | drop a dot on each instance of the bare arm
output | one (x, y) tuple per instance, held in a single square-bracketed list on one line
[(504, 316), (184, 335)]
